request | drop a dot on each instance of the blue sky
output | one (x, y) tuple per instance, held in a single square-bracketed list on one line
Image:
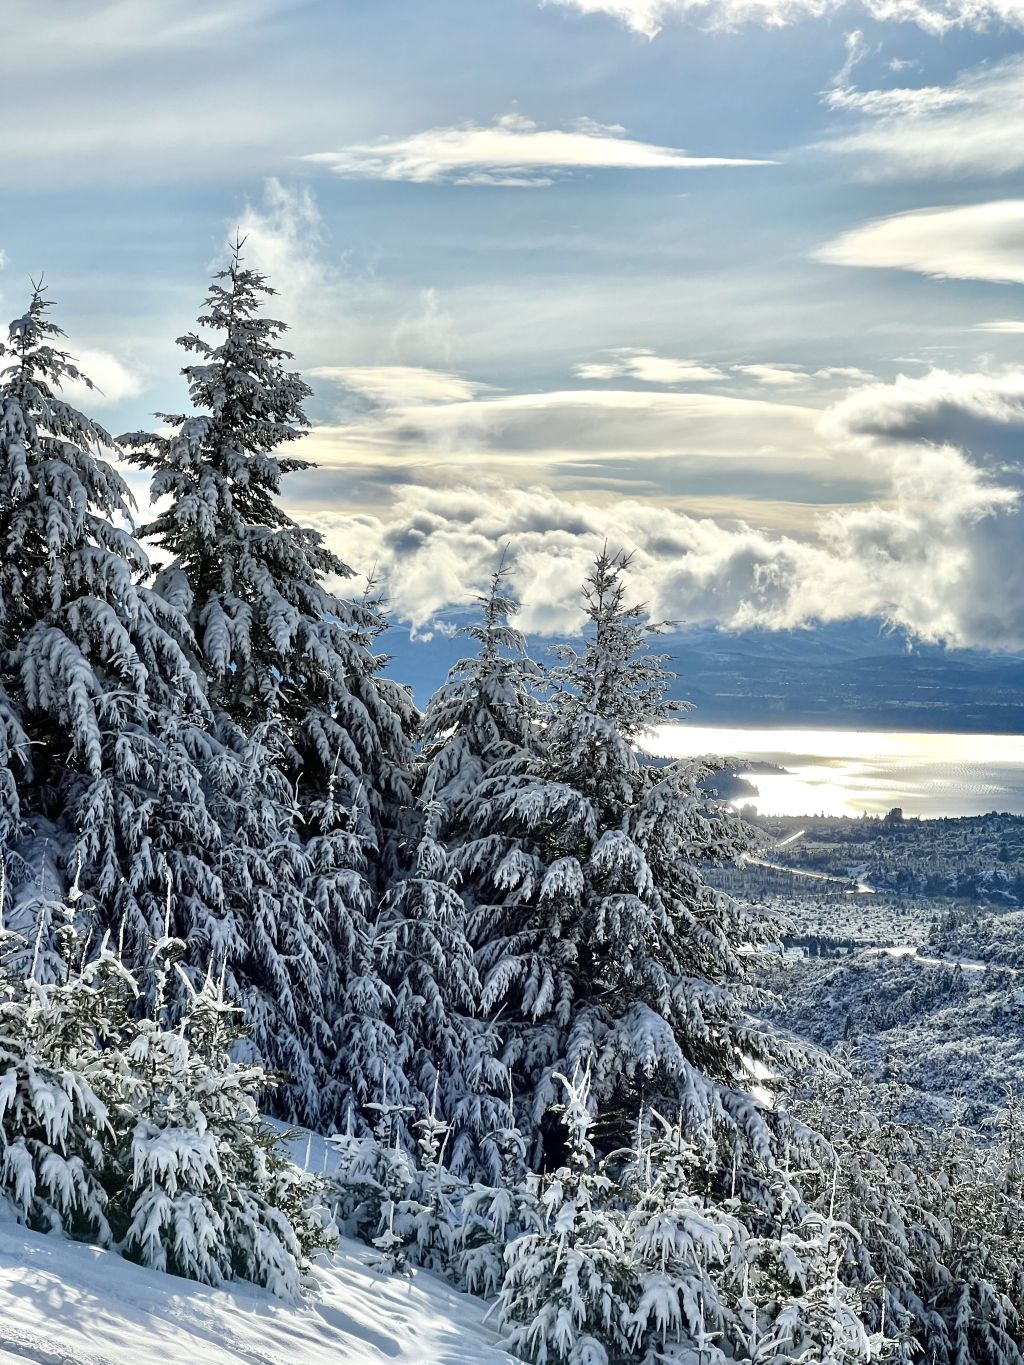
[(733, 284)]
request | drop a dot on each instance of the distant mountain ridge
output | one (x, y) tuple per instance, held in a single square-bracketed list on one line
[(849, 674)]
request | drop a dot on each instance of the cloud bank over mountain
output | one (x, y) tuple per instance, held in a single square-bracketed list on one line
[(937, 554)]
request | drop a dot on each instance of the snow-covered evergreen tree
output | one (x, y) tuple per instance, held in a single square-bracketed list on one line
[(936, 1242), (445, 1056), (689, 1254), (297, 689), (490, 1218), (486, 718), (92, 662), (275, 641), (57, 1068), (720, 1279), (602, 947), (812, 1318), (402, 1201)]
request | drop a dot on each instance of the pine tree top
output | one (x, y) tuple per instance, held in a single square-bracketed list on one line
[(612, 677), (221, 464), (38, 426)]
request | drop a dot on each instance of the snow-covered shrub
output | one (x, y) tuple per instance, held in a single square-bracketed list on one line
[(207, 1191), (936, 1224), (689, 1254), (568, 1282), (403, 1202), (59, 1066), (798, 1311)]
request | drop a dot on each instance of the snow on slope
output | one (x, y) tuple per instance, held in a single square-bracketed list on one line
[(63, 1303)]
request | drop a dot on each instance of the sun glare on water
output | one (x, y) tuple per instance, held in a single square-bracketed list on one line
[(850, 772)]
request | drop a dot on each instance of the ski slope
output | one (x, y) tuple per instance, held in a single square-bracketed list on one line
[(64, 1303)]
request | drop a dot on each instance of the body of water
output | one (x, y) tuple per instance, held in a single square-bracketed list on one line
[(848, 772)]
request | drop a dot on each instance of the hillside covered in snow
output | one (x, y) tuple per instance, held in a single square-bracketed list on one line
[(65, 1303)]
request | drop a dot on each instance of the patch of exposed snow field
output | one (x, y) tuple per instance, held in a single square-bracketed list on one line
[(64, 1303)]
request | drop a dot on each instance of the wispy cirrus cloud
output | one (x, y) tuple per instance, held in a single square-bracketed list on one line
[(634, 362), (648, 367), (966, 242), (1002, 326), (972, 127), (511, 151), (396, 385), (109, 29), (575, 427), (648, 17)]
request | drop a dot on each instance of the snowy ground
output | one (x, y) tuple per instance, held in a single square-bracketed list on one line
[(62, 1303)]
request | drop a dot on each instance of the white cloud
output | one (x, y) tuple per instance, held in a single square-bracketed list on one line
[(397, 385), (850, 372), (779, 376), (648, 367), (648, 17), (972, 127), (335, 314), (113, 381), (574, 427), (981, 413), (338, 315), (438, 548), (1004, 326), (938, 555), (181, 108), (971, 242), (637, 363), (108, 29), (511, 151), (284, 237), (856, 50)]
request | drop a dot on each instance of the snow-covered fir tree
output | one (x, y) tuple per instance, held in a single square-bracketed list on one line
[(935, 1239), (297, 691), (93, 664), (487, 717), (444, 1055), (120, 1130), (689, 1254), (719, 1279), (603, 949), (400, 1200), (274, 640)]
